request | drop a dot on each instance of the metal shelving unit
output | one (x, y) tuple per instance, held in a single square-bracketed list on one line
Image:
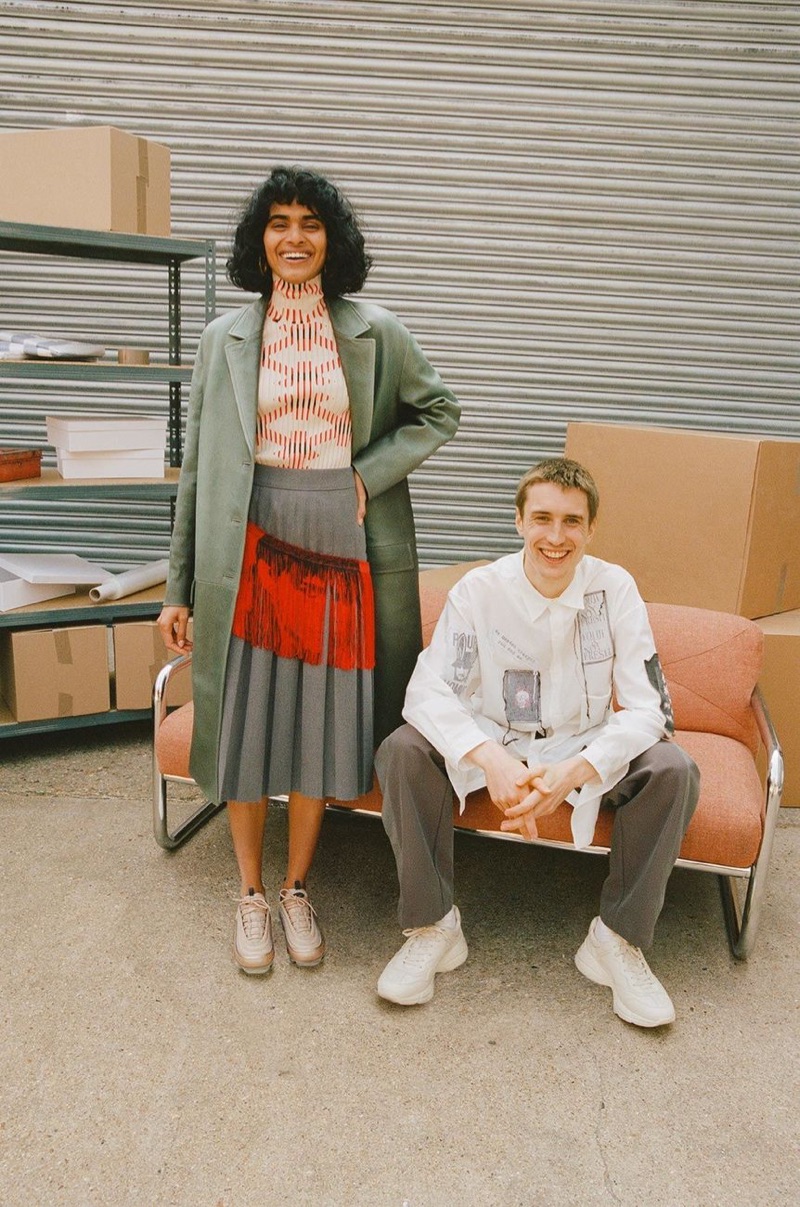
[(131, 249), (139, 249)]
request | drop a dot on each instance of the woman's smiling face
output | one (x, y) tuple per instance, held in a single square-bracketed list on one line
[(295, 243)]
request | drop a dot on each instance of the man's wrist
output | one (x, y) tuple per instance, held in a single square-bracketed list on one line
[(584, 772), (484, 754)]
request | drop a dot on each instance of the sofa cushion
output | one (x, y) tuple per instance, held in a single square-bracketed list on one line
[(725, 830), (711, 661)]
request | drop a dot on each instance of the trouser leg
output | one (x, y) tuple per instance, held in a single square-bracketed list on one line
[(654, 804), (418, 817)]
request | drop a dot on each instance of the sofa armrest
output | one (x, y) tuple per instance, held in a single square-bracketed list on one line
[(743, 921), (175, 667)]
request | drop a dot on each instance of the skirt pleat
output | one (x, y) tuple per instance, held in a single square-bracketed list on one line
[(297, 713)]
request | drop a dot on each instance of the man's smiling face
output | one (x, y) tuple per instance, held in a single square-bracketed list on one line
[(554, 525)]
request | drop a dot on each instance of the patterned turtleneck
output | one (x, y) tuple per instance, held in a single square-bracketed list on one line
[(303, 407)]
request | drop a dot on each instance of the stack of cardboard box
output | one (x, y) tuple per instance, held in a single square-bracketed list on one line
[(710, 521), (107, 446), (66, 671)]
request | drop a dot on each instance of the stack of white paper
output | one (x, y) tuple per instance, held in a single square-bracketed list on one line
[(16, 592), (108, 446), (27, 578)]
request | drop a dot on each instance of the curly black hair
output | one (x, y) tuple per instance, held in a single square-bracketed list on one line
[(346, 263)]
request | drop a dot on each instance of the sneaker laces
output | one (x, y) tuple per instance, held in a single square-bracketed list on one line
[(254, 917), (300, 910), (636, 966), (416, 953)]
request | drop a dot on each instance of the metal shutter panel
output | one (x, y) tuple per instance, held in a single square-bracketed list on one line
[(583, 212)]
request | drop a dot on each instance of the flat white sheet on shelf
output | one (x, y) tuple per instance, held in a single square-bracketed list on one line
[(54, 568)]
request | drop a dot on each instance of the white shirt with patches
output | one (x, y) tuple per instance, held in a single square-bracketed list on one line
[(538, 675)]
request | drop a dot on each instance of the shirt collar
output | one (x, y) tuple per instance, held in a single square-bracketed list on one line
[(573, 597)]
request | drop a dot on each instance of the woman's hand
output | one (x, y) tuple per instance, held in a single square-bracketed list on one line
[(172, 625), (361, 497)]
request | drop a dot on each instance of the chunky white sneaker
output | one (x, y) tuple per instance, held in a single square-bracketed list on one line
[(253, 949), (639, 996), (409, 976), (304, 939)]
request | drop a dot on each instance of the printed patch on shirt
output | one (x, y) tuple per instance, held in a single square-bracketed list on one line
[(594, 629), (465, 652), (504, 645), (522, 697), (656, 677)]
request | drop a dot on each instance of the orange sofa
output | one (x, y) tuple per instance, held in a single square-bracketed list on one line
[(711, 661)]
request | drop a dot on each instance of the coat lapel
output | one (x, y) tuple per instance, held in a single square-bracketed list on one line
[(358, 365), (243, 354)]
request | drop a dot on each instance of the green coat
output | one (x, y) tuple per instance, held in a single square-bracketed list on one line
[(401, 412)]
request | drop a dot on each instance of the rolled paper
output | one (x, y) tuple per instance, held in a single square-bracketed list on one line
[(130, 581)]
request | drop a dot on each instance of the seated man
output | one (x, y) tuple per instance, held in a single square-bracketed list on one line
[(515, 693)]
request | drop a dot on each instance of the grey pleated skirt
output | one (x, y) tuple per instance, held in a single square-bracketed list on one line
[(297, 713)]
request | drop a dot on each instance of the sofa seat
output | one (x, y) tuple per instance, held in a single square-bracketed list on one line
[(726, 828)]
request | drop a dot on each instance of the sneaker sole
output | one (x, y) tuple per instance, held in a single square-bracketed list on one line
[(299, 962), (454, 959), (588, 966), (261, 971), (253, 969)]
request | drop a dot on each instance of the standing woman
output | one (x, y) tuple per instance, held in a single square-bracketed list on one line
[(293, 542)]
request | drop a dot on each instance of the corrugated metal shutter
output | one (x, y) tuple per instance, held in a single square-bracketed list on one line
[(585, 210)]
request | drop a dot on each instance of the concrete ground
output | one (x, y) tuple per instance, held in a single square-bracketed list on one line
[(141, 1068)]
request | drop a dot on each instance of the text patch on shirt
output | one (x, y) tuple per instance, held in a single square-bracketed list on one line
[(594, 629), (465, 652)]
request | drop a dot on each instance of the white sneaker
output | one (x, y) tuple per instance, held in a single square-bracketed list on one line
[(639, 996), (408, 977), (304, 941), (253, 949)]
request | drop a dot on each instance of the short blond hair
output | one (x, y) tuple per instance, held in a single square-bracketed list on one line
[(569, 475)]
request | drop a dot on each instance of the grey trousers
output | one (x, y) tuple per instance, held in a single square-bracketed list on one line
[(653, 806)]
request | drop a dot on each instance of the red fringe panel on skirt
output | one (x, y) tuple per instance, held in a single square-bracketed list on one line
[(286, 593)]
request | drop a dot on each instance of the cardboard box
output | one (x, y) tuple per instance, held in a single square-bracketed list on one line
[(139, 654), (780, 684), (85, 177), (54, 672), (698, 518), (105, 433), (447, 576)]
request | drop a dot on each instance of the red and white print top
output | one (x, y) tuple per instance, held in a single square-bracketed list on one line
[(303, 406)]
